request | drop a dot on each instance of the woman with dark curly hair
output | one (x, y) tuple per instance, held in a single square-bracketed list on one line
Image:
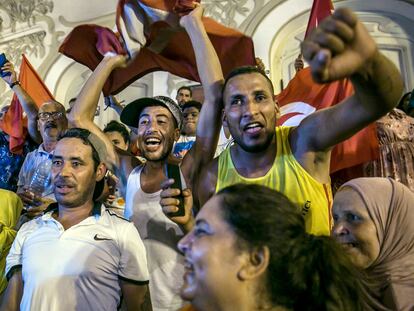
[(249, 251)]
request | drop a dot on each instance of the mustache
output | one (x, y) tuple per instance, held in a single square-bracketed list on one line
[(61, 181), (50, 124)]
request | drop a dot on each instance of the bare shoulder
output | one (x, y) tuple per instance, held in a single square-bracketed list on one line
[(316, 163)]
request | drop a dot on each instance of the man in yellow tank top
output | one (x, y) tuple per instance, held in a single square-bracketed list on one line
[(295, 160)]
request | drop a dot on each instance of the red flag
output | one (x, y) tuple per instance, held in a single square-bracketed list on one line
[(166, 48), (302, 97), (13, 123), (320, 10)]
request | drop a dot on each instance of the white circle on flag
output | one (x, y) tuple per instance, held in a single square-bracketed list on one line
[(300, 109)]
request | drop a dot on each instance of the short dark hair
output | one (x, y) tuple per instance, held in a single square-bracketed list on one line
[(185, 87), (305, 272), (190, 104), (115, 126), (83, 134), (247, 70)]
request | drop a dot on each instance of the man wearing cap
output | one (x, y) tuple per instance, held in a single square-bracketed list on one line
[(158, 120), (77, 256)]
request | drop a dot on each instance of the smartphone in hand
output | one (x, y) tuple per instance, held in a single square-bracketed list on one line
[(173, 172), (3, 60)]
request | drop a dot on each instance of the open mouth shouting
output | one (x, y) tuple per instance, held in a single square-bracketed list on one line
[(253, 128), (152, 143), (63, 187), (188, 272)]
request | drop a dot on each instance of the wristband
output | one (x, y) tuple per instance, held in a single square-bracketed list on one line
[(14, 84)]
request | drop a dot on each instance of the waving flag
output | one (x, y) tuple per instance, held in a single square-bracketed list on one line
[(302, 97), (320, 10), (13, 123), (150, 32)]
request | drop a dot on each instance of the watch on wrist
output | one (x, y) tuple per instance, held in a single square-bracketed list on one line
[(14, 84)]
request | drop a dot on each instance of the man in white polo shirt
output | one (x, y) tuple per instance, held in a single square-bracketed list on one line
[(77, 256)]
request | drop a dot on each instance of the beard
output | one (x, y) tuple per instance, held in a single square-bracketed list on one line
[(150, 156), (256, 148), (159, 155)]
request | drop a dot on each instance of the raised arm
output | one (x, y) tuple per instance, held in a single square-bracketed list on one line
[(28, 105), (211, 76), (83, 110), (342, 48)]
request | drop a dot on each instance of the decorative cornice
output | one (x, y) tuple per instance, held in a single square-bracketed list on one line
[(228, 12), (24, 11)]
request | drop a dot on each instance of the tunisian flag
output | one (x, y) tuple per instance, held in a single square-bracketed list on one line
[(320, 10), (302, 97), (14, 124), (151, 29)]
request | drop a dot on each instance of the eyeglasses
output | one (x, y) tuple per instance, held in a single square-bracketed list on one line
[(52, 115)]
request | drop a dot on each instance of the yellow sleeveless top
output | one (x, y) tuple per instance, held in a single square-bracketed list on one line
[(287, 176)]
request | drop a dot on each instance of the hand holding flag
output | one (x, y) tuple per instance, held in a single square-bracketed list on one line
[(194, 14)]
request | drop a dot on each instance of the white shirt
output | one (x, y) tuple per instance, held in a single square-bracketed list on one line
[(78, 268), (160, 236)]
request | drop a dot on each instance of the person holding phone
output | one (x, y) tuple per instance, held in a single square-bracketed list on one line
[(159, 121), (11, 163)]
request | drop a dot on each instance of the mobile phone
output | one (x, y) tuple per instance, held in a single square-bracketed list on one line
[(3, 60), (173, 171)]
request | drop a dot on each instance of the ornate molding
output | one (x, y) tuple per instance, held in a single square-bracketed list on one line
[(30, 44), (21, 31), (229, 12), (24, 11)]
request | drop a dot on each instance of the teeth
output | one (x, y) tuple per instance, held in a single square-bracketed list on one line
[(252, 125), (152, 141)]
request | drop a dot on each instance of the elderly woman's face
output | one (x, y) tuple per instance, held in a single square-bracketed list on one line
[(354, 229), (212, 259)]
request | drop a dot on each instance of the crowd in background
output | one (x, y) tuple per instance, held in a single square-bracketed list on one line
[(163, 211)]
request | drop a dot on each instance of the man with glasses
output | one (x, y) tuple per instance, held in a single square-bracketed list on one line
[(51, 124)]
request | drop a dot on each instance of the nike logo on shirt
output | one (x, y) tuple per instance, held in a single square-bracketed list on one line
[(100, 238)]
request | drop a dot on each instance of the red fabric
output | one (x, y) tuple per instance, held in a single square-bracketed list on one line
[(107, 41), (13, 123), (233, 48), (177, 6), (183, 7), (320, 10), (361, 147)]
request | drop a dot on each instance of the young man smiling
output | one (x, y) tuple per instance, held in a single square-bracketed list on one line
[(158, 120)]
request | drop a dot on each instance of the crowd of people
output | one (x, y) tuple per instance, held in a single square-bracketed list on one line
[(144, 215)]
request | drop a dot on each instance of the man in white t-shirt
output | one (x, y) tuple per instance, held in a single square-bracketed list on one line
[(159, 121), (77, 255)]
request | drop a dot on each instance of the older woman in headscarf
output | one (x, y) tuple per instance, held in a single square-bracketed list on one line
[(10, 209), (374, 221)]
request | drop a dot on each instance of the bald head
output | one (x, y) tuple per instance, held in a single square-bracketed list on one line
[(52, 104), (52, 120)]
